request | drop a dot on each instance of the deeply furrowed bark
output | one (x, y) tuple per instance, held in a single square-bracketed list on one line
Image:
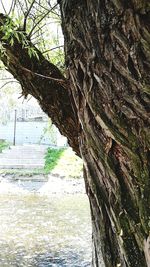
[(107, 47)]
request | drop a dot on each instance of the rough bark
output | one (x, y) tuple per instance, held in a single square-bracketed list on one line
[(107, 48)]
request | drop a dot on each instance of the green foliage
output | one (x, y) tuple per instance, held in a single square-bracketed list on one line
[(3, 145), (51, 158), (32, 52), (10, 31), (64, 163), (38, 23), (58, 162)]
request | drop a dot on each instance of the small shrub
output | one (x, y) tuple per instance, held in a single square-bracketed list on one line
[(3, 145), (51, 158)]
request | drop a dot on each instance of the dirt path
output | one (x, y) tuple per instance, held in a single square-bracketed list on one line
[(44, 184)]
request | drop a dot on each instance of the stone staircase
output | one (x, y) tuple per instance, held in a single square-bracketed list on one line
[(23, 157)]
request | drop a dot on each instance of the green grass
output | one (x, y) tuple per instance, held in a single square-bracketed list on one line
[(63, 162), (3, 145), (51, 158), (58, 162)]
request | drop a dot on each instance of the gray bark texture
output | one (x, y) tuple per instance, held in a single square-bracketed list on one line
[(103, 109), (107, 48)]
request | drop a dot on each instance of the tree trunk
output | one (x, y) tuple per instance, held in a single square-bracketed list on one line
[(107, 49), (104, 111)]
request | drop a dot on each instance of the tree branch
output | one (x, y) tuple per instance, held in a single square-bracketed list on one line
[(54, 48), (43, 80), (3, 6), (45, 15), (13, 3), (26, 15), (8, 83)]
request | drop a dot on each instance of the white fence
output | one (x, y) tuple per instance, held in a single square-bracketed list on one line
[(30, 133)]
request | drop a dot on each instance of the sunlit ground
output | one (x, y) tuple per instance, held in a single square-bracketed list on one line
[(42, 224)]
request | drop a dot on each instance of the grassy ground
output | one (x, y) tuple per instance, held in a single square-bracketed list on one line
[(58, 162), (63, 162), (52, 158)]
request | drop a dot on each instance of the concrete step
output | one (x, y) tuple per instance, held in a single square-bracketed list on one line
[(29, 154), (21, 166), (23, 157), (22, 151), (29, 147), (18, 161)]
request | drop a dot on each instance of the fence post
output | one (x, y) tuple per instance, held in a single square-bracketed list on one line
[(15, 120)]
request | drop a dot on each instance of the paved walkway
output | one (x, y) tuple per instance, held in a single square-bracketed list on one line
[(23, 157)]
